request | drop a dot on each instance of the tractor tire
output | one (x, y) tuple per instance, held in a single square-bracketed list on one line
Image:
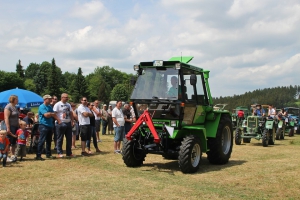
[(221, 146), (190, 154), (291, 132), (272, 135), (265, 138), (278, 133), (238, 138), (246, 140), (298, 130), (133, 155)]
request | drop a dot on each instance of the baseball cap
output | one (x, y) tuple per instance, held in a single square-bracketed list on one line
[(47, 96), (104, 105)]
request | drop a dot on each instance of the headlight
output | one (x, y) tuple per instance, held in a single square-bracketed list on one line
[(173, 123), (177, 66)]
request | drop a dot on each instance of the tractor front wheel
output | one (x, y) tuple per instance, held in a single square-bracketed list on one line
[(238, 138), (291, 133), (265, 138), (190, 154), (133, 154), (272, 134), (221, 146)]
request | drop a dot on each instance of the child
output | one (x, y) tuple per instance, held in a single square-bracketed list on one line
[(4, 146), (22, 134)]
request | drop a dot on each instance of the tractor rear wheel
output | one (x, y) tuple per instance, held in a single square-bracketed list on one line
[(221, 146), (133, 154), (272, 135), (238, 138), (265, 138), (291, 132), (190, 154)]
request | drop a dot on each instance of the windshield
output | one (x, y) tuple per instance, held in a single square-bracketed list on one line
[(157, 83)]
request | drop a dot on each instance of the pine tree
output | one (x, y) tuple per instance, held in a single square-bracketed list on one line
[(20, 70), (53, 82), (79, 87)]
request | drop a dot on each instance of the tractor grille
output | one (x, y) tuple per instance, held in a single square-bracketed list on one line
[(252, 122)]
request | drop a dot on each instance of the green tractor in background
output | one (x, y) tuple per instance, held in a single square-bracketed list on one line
[(257, 127), (176, 118), (236, 121)]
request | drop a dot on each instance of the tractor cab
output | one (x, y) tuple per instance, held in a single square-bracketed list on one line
[(173, 91)]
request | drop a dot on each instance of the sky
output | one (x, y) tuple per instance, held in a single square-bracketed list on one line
[(246, 44)]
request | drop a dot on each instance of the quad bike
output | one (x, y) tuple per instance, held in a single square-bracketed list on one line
[(178, 126)]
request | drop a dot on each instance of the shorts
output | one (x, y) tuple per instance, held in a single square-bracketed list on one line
[(75, 129), (85, 132), (97, 125), (12, 140), (119, 133), (21, 150)]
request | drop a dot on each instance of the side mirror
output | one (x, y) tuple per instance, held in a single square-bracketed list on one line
[(132, 80), (193, 79)]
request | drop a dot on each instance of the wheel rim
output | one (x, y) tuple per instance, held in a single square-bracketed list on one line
[(226, 140), (195, 155)]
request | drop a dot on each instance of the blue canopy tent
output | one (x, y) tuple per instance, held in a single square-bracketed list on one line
[(27, 99)]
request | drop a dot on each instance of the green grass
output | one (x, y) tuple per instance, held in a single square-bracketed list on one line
[(253, 172)]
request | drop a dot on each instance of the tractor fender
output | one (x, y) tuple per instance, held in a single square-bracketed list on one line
[(200, 132), (211, 126), (269, 124)]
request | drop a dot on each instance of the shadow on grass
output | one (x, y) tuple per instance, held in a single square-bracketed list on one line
[(205, 166)]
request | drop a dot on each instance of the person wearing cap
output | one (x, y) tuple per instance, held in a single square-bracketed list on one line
[(104, 119), (46, 115), (64, 112), (109, 120)]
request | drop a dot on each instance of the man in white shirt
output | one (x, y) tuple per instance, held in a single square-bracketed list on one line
[(119, 121), (272, 111), (63, 110), (84, 114)]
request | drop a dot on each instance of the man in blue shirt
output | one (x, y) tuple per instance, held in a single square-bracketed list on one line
[(259, 111), (46, 115)]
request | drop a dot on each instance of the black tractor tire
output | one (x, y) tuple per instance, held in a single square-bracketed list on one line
[(133, 155), (278, 133), (246, 140), (272, 135), (291, 132), (265, 138), (298, 130), (221, 146), (238, 138), (190, 154)]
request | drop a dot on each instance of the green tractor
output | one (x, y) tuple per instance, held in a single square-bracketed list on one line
[(259, 128), (236, 121), (176, 118)]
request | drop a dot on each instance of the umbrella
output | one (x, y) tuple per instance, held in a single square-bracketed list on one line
[(26, 98)]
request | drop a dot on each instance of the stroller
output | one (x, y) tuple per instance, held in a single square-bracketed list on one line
[(34, 138)]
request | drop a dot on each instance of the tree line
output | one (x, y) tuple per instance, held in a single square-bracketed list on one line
[(105, 83), (279, 97)]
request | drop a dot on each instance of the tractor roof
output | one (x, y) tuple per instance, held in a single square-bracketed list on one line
[(184, 60)]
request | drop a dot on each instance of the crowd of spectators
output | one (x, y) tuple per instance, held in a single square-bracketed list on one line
[(60, 121)]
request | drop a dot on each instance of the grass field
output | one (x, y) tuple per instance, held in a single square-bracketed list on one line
[(253, 172)]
